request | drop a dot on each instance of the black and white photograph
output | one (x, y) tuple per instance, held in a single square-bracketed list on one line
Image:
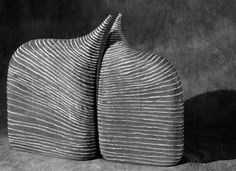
[(123, 85)]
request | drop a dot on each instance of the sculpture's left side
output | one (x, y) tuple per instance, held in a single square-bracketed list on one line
[(50, 95)]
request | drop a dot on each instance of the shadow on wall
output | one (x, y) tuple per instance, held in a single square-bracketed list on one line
[(210, 124)]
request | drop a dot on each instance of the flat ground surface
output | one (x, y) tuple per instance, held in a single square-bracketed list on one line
[(12, 160)]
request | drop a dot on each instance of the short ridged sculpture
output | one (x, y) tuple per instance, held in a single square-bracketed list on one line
[(71, 98), (51, 95), (140, 105)]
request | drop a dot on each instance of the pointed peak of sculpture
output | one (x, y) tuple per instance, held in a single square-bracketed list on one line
[(116, 33), (117, 23), (105, 23), (98, 33)]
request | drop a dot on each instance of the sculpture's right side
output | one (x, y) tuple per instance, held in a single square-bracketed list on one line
[(140, 105)]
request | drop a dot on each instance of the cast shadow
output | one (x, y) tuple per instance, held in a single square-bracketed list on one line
[(210, 124)]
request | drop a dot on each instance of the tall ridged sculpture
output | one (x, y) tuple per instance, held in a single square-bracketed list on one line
[(51, 95), (140, 105)]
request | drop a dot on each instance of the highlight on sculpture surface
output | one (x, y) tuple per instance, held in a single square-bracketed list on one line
[(71, 98), (50, 95), (140, 105)]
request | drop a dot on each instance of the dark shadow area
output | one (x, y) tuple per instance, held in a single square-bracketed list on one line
[(210, 124), (3, 98)]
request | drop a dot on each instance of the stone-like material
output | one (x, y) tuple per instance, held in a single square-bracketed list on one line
[(59, 91), (140, 105), (51, 95)]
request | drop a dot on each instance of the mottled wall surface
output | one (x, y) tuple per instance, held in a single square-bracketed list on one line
[(197, 36)]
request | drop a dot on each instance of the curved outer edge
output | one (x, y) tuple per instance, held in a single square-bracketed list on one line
[(54, 56)]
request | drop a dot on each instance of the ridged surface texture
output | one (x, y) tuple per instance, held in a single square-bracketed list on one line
[(51, 95), (140, 105)]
